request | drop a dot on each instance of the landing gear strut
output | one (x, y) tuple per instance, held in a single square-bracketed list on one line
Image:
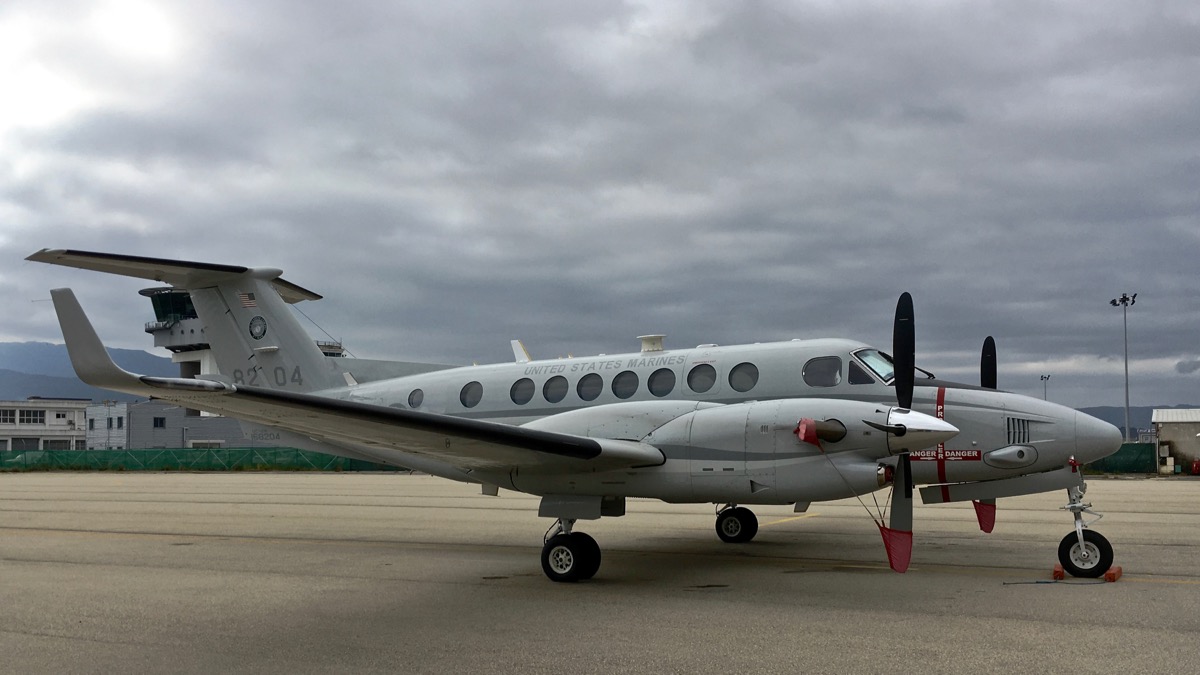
[(736, 524), (1084, 553), (567, 555)]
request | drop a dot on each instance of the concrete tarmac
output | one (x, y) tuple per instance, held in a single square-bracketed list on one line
[(297, 572)]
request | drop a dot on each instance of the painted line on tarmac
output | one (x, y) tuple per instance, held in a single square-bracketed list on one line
[(788, 520)]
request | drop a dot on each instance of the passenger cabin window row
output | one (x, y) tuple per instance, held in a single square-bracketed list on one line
[(824, 371)]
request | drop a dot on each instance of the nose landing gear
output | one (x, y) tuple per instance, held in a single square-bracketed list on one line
[(1084, 553)]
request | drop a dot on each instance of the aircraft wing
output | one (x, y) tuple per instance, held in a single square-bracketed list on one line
[(463, 443)]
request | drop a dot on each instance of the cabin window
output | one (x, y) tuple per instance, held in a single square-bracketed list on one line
[(859, 375), (823, 371), (661, 382), (625, 384), (471, 394), (416, 398), (701, 378), (555, 389), (522, 391), (743, 377), (590, 386)]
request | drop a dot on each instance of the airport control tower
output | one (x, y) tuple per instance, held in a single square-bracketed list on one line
[(177, 329)]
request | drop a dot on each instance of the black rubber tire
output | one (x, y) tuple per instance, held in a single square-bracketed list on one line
[(1101, 553), (570, 557), (737, 525), (589, 551)]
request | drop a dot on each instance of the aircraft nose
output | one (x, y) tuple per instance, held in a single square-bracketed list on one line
[(1095, 439)]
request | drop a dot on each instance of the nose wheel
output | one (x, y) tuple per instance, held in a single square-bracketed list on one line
[(1089, 558), (1084, 553)]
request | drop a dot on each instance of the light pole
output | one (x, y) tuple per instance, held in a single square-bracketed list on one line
[(1125, 301), (1045, 385)]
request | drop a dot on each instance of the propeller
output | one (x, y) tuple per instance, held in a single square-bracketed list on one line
[(897, 536), (985, 509), (987, 364)]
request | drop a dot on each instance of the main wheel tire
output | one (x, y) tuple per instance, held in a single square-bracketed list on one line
[(737, 525), (560, 558), (1088, 561), (589, 551)]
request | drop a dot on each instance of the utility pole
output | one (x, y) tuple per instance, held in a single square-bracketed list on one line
[(1125, 301)]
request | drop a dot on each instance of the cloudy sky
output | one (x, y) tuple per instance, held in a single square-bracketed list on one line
[(453, 175)]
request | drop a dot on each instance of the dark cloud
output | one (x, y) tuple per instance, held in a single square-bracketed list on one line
[(1187, 366), (454, 175)]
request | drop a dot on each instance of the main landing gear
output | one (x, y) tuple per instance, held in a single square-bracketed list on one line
[(736, 524), (1084, 553), (567, 555)]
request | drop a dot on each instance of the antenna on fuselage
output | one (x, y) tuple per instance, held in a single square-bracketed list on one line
[(520, 354), (651, 343)]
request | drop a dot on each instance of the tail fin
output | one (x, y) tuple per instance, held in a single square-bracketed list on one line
[(253, 335)]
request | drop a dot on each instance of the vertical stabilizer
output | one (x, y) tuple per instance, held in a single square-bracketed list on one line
[(257, 340)]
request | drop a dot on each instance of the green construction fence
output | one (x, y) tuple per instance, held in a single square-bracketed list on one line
[(183, 459), (1131, 458)]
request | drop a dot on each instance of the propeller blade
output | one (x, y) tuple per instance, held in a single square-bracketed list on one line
[(897, 536), (987, 364), (904, 348), (985, 513)]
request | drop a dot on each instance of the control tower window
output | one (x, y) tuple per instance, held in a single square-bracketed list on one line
[(823, 371)]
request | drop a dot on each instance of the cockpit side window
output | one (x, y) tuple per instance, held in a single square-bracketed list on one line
[(859, 375), (823, 371), (881, 365), (878, 362)]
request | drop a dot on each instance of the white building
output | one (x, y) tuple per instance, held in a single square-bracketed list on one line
[(107, 426), (1177, 430), (43, 424)]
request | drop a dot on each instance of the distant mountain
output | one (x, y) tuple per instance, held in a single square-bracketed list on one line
[(43, 358), (44, 369)]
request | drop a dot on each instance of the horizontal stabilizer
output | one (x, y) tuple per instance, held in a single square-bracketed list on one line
[(178, 273)]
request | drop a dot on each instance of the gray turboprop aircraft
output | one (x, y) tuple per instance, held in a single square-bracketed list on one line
[(777, 423)]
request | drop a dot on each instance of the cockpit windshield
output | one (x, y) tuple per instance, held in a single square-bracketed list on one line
[(881, 364)]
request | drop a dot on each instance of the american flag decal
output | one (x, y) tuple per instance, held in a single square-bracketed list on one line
[(247, 300)]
